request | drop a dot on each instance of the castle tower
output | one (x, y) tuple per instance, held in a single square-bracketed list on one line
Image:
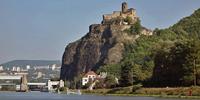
[(124, 7)]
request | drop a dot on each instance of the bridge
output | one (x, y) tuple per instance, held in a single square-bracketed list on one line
[(23, 85), (22, 81)]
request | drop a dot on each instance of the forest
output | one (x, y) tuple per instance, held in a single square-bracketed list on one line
[(170, 57)]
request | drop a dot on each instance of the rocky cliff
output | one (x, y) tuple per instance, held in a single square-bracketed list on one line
[(103, 44)]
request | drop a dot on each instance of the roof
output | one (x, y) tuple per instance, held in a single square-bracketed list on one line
[(90, 73)]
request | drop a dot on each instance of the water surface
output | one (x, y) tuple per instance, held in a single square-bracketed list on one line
[(53, 96)]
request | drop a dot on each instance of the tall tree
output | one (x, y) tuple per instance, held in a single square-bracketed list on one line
[(193, 57), (126, 74)]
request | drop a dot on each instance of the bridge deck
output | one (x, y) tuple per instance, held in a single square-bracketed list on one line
[(5, 84), (41, 84), (10, 77)]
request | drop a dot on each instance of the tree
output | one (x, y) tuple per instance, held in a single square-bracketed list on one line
[(110, 81), (193, 58), (136, 27), (126, 74)]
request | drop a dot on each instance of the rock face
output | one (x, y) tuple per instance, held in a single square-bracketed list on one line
[(103, 44)]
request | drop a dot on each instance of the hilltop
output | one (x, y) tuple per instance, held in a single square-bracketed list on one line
[(104, 43)]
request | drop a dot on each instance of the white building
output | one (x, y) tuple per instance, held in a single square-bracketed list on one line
[(1, 68), (14, 68), (89, 76), (28, 67), (55, 83), (53, 67), (18, 69)]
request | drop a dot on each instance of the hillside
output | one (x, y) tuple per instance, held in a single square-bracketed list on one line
[(168, 58)]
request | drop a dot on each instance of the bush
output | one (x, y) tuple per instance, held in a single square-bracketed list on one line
[(128, 19), (100, 84), (62, 89), (121, 90), (136, 87)]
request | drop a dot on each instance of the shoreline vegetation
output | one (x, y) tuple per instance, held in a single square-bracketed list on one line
[(168, 92)]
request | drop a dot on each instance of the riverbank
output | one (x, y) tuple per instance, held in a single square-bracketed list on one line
[(179, 92)]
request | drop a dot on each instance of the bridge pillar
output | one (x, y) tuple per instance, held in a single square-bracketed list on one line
[(24, 86)]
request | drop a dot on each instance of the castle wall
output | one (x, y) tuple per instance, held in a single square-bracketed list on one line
[(124, 14), (107, 17), (115, 14)]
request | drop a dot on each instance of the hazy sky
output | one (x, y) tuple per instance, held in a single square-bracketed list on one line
[(40, 29)]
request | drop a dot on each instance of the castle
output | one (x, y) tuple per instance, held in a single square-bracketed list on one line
[(124, 13), (119, 18)]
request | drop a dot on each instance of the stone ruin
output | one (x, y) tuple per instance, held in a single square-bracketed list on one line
[(123, 14)]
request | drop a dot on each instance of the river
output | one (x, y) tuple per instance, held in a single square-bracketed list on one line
[(53, 96)]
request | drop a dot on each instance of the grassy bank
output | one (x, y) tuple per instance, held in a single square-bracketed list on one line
[(179, 92)]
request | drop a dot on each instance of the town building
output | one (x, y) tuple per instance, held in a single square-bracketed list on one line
[(1, 68)]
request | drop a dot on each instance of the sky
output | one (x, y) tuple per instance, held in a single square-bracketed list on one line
[(41, 29)]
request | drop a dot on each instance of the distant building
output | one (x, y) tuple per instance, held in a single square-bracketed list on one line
[(41, 67), (1, 68), (20, 73), (18, 69), (28, 67), (14, 68), (53, 67)]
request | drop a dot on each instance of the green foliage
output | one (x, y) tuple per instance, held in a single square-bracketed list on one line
[(167, 58), (192, 65), (126, 78), (62, 89), (171, 57), (112, 69), (135, 28), (189, 24), (179, 91), (121, 90), (136, 87), (128, 19), (179, 65), (100, 84), (110, 81)]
